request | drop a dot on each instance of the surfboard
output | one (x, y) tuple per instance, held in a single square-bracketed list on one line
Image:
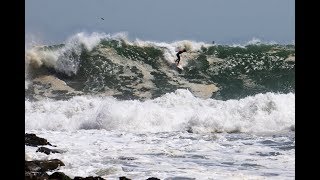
[(180, 67)]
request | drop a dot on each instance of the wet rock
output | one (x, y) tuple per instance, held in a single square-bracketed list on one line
[(123, 178), (42, 165), (33, 140), (88, 178), (59, 176), (47, 150), (127, 158), (30, 166), (36, 176)]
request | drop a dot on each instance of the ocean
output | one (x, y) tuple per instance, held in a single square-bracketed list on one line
[(119, 107)]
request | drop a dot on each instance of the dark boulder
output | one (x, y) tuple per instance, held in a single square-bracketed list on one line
[(59, 176), (47, 150), (88, 178), (123, 178), (33, 140), (36, 176), (42, 165)]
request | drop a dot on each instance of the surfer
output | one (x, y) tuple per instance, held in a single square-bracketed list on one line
[(178, 55)]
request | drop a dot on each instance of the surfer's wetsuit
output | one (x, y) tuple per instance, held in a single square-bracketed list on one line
[(178, 55)]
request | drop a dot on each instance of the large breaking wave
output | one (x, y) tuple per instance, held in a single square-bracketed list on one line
[(107, 64)]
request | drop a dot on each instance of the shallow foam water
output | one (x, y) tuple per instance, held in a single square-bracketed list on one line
[(111, 154), (176, 136)]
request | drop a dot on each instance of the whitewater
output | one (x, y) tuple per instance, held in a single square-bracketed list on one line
[(116, 107)]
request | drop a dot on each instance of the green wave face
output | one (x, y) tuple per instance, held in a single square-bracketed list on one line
[(249, 70), (130, 71)]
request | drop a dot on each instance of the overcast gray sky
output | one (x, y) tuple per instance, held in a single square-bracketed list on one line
[(224, 21)]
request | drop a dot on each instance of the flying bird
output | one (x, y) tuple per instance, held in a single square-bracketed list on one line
[(102, 18)]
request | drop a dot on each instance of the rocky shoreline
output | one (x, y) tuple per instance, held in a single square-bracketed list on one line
[(37, 169)]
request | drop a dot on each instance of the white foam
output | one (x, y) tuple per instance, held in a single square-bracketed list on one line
[(170, 49), (253, 41), (111, 154), (67, 58), (176, 111)]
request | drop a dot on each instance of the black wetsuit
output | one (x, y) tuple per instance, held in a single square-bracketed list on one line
[(178, 55)]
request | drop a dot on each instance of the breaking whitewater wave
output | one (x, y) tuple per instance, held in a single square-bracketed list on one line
[(178, 111), (100, 63)]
